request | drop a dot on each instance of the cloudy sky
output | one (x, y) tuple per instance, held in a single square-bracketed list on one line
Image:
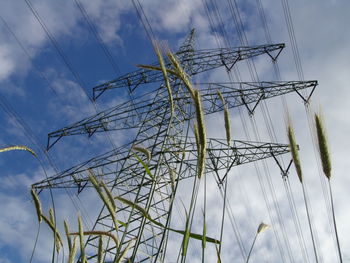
[(46, 79)]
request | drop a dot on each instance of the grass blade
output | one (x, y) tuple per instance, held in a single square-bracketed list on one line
[(145, 166)]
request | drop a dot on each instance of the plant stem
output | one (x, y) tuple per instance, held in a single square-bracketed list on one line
[(334, 222), (309, 221), (251, 248)]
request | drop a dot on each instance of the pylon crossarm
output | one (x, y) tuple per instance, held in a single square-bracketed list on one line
[(201, 61), (132, 114), (239, 152)]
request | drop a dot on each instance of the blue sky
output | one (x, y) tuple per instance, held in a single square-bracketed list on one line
[(320, 28)]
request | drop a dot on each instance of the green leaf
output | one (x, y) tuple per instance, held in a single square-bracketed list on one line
[(139, 208), (146, 215), (197, 236), (144, 165), (204, 240), (186, 237)]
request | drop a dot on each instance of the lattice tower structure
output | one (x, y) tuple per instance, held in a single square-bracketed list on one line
[(173, 151)]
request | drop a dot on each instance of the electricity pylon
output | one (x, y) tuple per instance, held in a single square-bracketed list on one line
[(167, 137)]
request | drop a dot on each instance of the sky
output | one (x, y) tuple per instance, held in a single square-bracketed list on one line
[(46, 83)]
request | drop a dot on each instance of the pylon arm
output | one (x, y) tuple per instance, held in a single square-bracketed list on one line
[(200, 60), (220, 156), (132, 114)]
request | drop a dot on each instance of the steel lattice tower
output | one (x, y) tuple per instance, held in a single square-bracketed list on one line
[(173, 151)]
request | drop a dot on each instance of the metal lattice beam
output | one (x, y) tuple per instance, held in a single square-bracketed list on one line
[(131, 114), (200, 60), (165, 135), (109, 164)]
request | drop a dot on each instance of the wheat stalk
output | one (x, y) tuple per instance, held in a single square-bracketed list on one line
[(262, 227), (125, 251), (100, 251)]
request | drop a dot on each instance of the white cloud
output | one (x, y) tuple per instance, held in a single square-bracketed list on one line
[(324, 47)]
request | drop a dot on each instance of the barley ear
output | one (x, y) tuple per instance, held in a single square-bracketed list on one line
[(52, 217), (57, 236), (81, 240), (103, 197), (323, 147), (196, 136), (201, 134), (142, 150), (18, 147), (109, 195), (66, 230), (181, 73), (52, 220), (37, 204), (227, 119), (227, 126), (166, 78), (294, 150), (262, 227)]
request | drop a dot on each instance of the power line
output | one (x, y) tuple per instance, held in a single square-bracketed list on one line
[(57, 48), (97, 36)]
